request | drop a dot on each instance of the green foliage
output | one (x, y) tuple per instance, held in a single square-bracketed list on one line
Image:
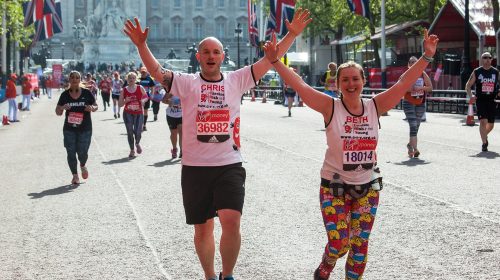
[(15, 22), (330, 15)]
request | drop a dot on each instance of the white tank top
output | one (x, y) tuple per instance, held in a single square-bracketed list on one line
[(352, 142)]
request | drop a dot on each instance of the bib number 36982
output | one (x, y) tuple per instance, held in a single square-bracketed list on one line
[(212, 126)]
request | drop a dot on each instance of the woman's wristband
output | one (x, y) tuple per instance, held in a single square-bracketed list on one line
[(428, 59), (273, 62)]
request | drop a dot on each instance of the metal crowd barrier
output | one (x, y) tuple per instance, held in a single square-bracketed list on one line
[(439, 101)]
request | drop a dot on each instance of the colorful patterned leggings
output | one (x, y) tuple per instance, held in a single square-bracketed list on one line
[(348, 222)]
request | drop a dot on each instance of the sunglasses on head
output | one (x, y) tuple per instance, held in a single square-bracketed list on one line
[(487, 57)]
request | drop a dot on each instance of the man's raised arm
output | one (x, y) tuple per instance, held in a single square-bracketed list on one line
[(138, 37), (300, 20)]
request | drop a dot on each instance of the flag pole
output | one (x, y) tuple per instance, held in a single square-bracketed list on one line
[(383, 65)]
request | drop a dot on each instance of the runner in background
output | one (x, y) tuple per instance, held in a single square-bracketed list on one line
[(116, 89), (105, 87), (147, 83), (485, 80), (133, 98), (414, 107), (78, 102), (329, 80), (174, 121)]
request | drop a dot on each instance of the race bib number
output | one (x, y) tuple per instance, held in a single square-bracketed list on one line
[(75, 118), (359, 152), (134, 107), (487, 88), (212, 126), (417, 93)]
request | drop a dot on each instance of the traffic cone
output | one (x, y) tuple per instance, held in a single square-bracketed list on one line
[(264, 100), (253, 95), (5, 120), (470, 115)]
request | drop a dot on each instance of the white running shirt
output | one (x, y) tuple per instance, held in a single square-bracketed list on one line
[(211, 116), (352, 143)]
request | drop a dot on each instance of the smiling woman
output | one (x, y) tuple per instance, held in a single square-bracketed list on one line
[(78, 102), (350, 178)]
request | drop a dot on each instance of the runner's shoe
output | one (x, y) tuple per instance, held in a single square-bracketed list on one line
[(317, 275), (174, 152), (75, 180), (115, 116), (225, 278), (411, 152), (85, 172), (131, 154), (144, 128), (416, 153), (484, 148), (139, 148)]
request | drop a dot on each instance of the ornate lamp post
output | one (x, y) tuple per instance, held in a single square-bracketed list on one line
[(238, 35)]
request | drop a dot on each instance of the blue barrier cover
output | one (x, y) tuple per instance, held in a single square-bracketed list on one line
[(2, 95)]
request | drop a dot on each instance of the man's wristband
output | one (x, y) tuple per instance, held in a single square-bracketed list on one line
[(273, 62), (428, 59)]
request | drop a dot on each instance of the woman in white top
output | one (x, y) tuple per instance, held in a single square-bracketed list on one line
[(350, 180)]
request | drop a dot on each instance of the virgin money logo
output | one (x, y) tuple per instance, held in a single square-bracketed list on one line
[(203, 116), (360, 145)]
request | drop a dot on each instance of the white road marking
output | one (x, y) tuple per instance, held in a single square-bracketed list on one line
[(149, 244)]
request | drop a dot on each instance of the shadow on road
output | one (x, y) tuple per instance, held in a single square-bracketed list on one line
[(120, 160), (412, 162), (166, 162), (488, 155), (59, 190)]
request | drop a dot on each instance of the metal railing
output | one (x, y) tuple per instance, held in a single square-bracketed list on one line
[(439, 101)]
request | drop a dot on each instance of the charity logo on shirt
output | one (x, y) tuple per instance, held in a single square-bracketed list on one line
[(358, 144), (212, 118), (487, 84)]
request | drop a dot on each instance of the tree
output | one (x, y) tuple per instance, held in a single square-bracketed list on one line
[(334, 16), (15, 22)]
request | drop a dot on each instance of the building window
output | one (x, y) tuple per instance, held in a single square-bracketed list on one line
[(220, 30), (220, 3), (155, 4), (199, 4), (198, 31), (155, 31), (79, 4), (243, 3), (177, 3), (177, 30)]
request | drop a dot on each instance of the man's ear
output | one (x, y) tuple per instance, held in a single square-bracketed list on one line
[(197, 56)]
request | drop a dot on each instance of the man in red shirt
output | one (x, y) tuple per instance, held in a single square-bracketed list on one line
[(11, 95), (26, 91)]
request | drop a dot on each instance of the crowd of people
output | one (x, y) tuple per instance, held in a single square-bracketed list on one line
[(204, 132)]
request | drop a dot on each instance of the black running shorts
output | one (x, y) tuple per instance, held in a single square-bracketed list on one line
[(486, 109), (206, 189), (173, 122)]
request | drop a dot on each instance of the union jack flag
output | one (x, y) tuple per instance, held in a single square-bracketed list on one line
[(33, 11), (253, 30), (50, 23), (360, 7), (280, 10)]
